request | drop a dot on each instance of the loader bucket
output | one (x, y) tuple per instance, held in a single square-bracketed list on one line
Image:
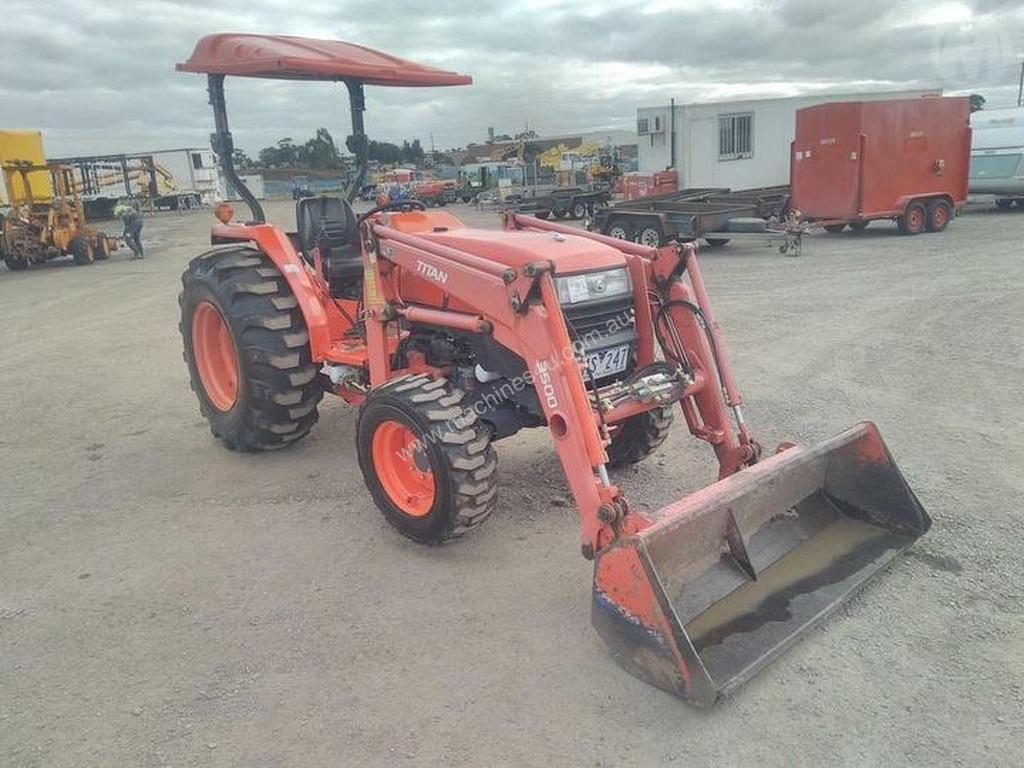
[(727, 578)]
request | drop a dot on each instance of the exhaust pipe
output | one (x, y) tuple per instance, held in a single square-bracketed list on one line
[(730, 576)]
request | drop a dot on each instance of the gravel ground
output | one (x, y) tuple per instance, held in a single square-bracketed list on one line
[(166, 602)]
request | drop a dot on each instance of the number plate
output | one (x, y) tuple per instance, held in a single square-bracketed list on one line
[(608, 362)]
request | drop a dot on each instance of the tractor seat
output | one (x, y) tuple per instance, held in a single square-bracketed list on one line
[(330, 224)]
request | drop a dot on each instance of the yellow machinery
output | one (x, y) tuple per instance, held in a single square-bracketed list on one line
[(37, 229)]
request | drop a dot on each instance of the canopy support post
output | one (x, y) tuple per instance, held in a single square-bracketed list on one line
[(224, 146), (361, 146)]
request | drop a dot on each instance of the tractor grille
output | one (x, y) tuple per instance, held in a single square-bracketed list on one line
[(602, 324)]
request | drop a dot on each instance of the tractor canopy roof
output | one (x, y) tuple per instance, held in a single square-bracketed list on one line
[(284, 57)]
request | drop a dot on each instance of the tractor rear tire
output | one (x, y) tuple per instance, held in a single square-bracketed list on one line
[(81, 251), (639, 436), (247, 350), (426, 460)]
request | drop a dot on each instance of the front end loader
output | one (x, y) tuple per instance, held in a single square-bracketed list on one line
[(449, 338)]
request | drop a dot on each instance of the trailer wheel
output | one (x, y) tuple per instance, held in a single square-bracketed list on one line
[(651, 237), (542, 214), (621, 230), (939, 214), (717, 242), (1004, 204), (639, 436), (81, 251), (857, 226), (579, 210), (561, 214), (914, 220), (427, 462), (834, 228), (247, 350)]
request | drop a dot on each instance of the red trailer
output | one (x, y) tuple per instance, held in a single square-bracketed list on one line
[(906, 160)]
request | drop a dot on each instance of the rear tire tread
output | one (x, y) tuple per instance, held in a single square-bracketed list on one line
[(280, 389)]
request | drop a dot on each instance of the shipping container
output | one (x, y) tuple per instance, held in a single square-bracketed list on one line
[(25, 146), (905, 160)]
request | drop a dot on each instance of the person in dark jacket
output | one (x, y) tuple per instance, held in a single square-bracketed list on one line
[(133, 231)]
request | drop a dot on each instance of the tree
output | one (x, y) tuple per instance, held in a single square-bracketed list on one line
[(321, 153), (241, 160), (412, 153), (977, 102)]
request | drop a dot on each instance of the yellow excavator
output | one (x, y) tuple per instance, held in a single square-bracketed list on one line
[(35, 231)]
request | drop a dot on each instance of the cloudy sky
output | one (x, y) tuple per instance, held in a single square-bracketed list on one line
[(97, 76)]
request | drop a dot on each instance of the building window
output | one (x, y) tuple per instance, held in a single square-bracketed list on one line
[(657, 125), (642, 125), (197, 160), (735, 136)]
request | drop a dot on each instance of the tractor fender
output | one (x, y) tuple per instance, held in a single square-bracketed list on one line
[(279, 249)]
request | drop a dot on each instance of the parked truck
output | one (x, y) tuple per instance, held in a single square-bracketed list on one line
[(905, 160), (997, 155)]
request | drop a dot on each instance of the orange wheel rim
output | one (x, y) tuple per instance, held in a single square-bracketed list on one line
[(403, 468), (916, 218), (940, 215), (214, 353)]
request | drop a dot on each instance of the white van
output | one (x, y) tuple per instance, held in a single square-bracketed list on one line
[(997, 155)]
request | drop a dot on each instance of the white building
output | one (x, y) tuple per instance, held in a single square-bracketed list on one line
[(736, 144)]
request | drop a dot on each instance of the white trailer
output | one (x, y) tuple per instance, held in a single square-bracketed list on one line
[(194, 170), (997, 155), (736, 144)]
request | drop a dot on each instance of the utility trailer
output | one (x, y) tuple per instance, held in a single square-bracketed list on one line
[(563, 202), (905, 160), (714, 214)]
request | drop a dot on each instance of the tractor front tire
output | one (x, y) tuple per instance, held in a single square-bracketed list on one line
[(639, 436), (247, 350), (427, 462)]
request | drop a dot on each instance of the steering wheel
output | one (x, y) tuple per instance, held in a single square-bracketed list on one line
[(404, 206)]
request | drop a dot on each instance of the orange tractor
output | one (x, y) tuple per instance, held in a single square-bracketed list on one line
[(449, 338)]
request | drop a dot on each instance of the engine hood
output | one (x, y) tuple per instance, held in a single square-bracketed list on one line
[(516, 249)]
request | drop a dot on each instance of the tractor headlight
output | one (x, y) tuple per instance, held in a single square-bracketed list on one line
[(606, 284)]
